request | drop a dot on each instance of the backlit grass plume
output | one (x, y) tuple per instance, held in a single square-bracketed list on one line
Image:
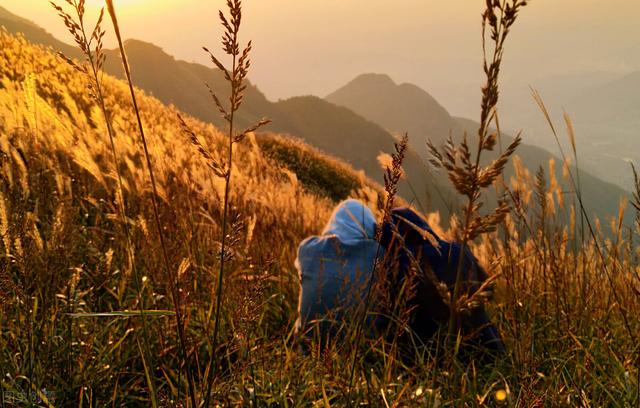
[(235, 76), (171, 278), (460, 161), (91, 45), (636, 196), (392, 175), (636, 205)]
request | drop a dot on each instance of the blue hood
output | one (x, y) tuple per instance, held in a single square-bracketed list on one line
[(351, 221), (336, 267)]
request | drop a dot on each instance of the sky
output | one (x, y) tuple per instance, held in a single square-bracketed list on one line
[(315, 46)]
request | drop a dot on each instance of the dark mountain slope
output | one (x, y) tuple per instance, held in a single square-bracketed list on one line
[(183, 84), (340, 132), (34, 33)]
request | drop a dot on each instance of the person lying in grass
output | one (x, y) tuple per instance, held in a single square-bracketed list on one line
[(419, 271)]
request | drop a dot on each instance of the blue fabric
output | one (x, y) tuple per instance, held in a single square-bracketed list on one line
[(335, 267), (443, 258)]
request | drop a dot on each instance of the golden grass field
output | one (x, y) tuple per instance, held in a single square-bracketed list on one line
[(566, 301)]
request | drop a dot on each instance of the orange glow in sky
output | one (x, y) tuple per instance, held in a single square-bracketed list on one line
[(315, 46)]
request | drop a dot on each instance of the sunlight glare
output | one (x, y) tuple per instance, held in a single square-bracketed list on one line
[(131, 6)]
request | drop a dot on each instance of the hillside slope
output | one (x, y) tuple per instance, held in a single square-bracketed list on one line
[(334, 130), (35, 34), (63, 242), (48, 121)]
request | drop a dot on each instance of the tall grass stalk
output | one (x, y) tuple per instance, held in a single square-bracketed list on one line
[(154, 200), (574, 148), (392, 177), (636, 204), (464, 170), (236, 77), (95, 57)]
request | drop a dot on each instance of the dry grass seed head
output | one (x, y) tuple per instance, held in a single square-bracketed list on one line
[(392, 176)]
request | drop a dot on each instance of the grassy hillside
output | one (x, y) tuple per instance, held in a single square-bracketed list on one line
[(319, 173), (566, 307), (335, 131), (62, 243)]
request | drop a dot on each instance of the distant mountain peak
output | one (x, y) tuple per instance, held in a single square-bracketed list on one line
[(372, 78), (368, 84), (145, 47), (396, 107)]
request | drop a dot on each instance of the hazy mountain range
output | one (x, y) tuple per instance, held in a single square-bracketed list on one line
[(604, 108), (407, 107), (355, 123)]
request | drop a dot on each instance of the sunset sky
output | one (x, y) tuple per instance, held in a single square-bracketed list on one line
[(315, 46)]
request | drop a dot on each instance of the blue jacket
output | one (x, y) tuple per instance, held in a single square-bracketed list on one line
[(443, 258), (335, 268)]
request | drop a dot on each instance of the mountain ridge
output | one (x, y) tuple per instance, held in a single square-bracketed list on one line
[(421, 113), (600, 197), (181, 83), (35, 33)]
